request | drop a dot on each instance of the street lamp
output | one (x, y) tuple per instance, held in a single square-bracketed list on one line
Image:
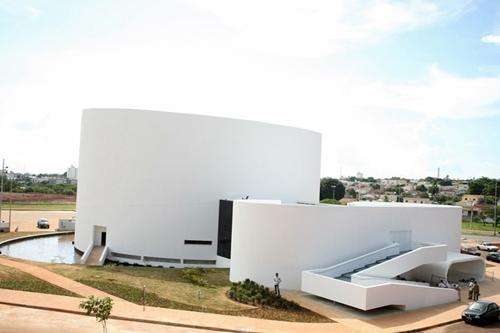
[(1, 187), (333, 187), (495, 209)]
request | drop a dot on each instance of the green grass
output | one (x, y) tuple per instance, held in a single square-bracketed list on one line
[(11, 278), (173, 288), (9, 235), (477, 226), (41, 206)]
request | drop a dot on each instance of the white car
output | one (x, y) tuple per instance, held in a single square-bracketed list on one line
[(486, 246), (43, 223)]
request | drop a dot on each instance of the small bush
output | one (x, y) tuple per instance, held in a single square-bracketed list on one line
[(196, 276), (250, 292)]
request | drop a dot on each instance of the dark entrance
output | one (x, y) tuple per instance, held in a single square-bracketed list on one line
[(225, 228), (103, 238)]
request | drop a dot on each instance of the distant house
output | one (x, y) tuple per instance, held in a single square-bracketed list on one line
[(471, 199), (417, 200)]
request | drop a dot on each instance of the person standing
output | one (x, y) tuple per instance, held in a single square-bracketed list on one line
[(471, 288), (475, 291), (277, 281)]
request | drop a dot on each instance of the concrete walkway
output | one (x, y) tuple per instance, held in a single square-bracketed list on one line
[(162, 316), (124, 310), (56, 279)]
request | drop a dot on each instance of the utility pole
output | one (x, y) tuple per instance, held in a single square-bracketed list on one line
[(1, 187), (10, 204), (495, 210)]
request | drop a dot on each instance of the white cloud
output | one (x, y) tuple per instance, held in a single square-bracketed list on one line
[(192, 63), (319, 27), (491, 39)]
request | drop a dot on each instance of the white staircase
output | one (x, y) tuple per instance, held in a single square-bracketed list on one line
[(368, 281)]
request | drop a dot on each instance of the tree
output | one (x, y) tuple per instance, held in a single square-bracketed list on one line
[(352, 193), (421, 188), (98, 307), (326, 188), (434, 189)]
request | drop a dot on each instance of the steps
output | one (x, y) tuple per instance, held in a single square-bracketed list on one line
[(95, 255)]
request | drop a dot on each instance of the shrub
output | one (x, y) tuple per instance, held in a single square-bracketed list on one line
[(98, 307), (196, 276), (250, 292)]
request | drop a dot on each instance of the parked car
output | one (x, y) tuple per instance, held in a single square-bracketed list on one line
[(43, 223), (481, 312), (487, 246), (493, 257), (470, 250)]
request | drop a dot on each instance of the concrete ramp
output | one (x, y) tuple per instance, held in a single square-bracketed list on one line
[(95, 256)]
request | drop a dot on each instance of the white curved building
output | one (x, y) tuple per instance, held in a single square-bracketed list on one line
[(158, 188), (150, 182)]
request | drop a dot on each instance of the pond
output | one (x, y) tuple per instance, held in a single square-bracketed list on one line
[(51, 249)]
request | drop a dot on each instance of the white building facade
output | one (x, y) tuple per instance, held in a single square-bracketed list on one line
[(150, 182), (176, 190)]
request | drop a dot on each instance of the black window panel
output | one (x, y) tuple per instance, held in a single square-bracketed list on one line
[(225, 228), (197, 242)]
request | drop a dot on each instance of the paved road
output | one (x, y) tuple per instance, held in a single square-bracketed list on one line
[(464, 328), (486, 238), (26, 220), (26, 320)]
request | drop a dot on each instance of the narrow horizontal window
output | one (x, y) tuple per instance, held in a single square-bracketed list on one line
[(197, 242), (199, 262), (126, 256), (159, 259)]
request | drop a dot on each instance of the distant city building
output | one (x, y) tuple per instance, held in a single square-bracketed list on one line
[(359, 175), (417, 200), (72, 173)]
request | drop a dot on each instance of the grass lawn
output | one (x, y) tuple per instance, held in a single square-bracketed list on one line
[(477, 226), (11, 278), (40, 206), (166, 287), (9, 235)]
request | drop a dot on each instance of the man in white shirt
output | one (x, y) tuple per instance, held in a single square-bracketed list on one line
[(277, 281)]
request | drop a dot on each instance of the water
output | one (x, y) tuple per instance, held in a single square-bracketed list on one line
[(52, 249)]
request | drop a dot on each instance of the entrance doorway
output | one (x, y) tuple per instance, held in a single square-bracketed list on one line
[(103, 238)]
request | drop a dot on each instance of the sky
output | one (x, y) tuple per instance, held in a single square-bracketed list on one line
[(397, 88)]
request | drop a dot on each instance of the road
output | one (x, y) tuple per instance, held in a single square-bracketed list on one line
[(465, 328), (26, 220), (26, 320)]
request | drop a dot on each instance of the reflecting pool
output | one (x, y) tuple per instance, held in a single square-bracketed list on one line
[(52, 249)]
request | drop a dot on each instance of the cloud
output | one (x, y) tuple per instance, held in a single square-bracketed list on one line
[(491, 39), (439, 94), (320, 27)]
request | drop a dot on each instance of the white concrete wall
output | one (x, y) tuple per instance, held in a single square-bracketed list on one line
[(154, 179), (293, 238)]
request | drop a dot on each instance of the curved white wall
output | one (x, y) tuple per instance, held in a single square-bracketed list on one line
[(154, 179)]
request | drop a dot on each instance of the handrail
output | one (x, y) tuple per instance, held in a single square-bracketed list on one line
[(104, 255), (86, 254), (364, 256)]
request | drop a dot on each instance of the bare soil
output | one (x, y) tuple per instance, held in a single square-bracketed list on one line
[(39, 197)]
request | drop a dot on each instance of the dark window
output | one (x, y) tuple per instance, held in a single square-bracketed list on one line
[(197, 242), (146, 258), (199, 262), (225, 228)]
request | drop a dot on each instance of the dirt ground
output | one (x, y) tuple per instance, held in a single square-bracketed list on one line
[(38, 197), (26, 220)]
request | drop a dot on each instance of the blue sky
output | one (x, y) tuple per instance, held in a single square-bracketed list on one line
[(398, 88)]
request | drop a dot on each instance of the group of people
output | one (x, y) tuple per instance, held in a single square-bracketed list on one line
[(473, 290)]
